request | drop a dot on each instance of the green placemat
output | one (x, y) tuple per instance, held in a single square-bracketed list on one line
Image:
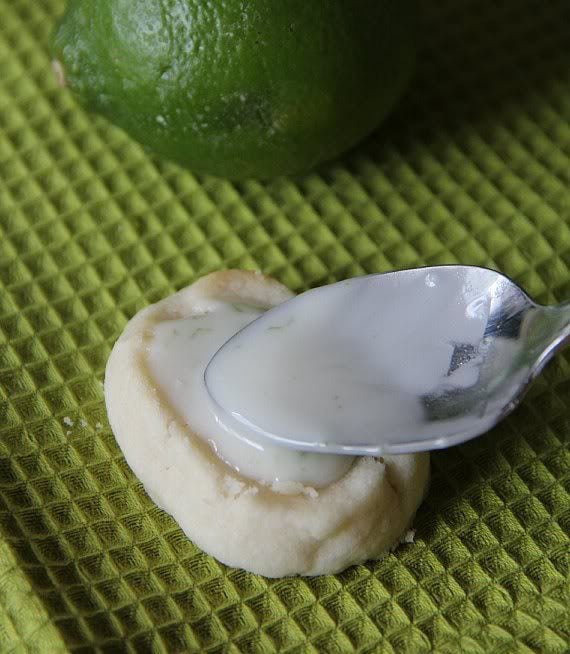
[(473, 168)]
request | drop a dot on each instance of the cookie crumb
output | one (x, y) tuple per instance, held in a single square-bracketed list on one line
[(59, 73), (233, 487), (251, 490)]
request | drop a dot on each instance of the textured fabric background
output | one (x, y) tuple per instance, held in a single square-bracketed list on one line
[(474, 167)]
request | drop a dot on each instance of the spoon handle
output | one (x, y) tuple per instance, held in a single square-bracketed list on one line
[(555, 329), (547, 332), (564, 310)]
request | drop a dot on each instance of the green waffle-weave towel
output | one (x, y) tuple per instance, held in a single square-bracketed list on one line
[(473, 167)]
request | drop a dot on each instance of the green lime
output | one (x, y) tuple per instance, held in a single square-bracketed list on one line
[(239, 88)]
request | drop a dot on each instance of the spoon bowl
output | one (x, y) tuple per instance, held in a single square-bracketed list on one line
[(397, 362)]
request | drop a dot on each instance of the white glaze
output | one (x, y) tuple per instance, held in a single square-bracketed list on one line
[(351, 359), (177, 354)]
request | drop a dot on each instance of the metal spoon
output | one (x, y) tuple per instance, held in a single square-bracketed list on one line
[(421, 359)]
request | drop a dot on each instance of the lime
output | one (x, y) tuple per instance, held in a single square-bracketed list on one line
[(239, 88)]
